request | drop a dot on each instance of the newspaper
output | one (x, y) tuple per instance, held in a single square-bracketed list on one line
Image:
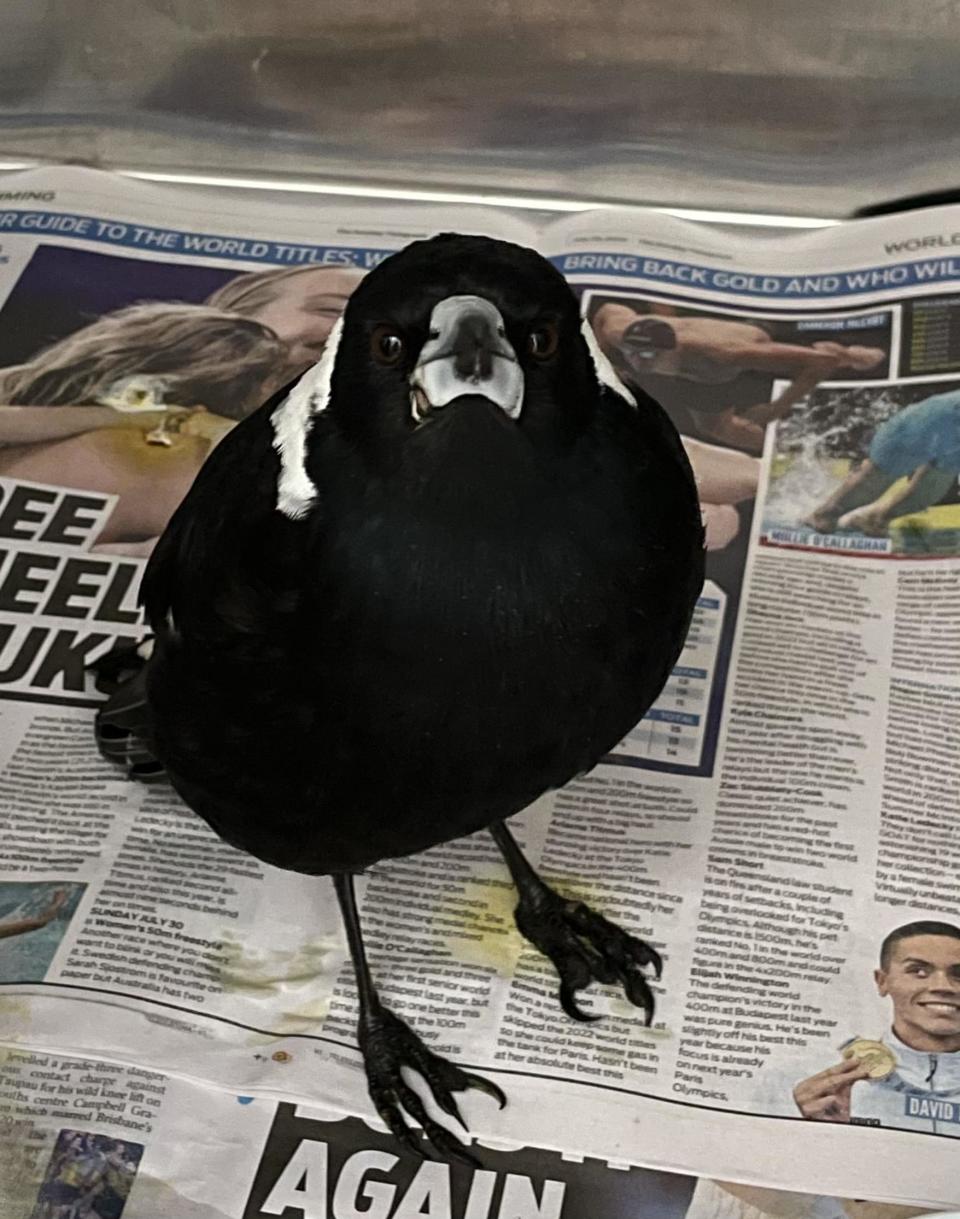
[(790, 802), (104, 1139)]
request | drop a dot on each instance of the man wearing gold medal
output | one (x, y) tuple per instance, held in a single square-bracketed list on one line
[(910, 1078)]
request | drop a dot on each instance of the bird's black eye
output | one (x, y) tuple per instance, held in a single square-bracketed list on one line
[(386, 345), (543, 339)]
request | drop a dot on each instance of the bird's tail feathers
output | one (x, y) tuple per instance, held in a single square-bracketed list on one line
[(122, 725)]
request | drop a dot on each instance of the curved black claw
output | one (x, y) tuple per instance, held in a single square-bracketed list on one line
[(388, 1044), (585, 947)]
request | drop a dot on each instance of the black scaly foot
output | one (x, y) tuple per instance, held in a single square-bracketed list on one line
[(583, 946), (388, 1044)]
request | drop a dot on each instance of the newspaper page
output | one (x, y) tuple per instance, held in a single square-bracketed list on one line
[(761, 826), (99, 1139), (816, 384)]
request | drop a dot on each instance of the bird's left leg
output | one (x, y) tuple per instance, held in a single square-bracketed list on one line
[(583, 945), (388, 1044)]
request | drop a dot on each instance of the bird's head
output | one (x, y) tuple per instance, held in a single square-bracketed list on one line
[(452, 338)]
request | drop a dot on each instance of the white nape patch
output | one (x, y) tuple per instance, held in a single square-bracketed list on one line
[(604, 369), (292, 421)]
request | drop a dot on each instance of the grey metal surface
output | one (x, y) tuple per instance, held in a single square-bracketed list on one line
[(766, 105)]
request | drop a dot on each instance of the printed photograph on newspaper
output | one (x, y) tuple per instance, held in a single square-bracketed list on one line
[(34, 916), (128, 371), (895, 1058), (722, 376), (88, 1175), (868, 470)]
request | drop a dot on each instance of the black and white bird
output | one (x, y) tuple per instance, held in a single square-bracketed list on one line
[(445, 572)]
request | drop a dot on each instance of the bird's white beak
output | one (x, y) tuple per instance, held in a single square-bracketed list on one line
[(467, 353)]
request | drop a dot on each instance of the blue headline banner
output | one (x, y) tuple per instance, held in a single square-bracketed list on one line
[(177, 241), (785, 287), (689, 275)]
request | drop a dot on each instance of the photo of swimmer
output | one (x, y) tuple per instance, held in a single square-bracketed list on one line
[(868, 469)]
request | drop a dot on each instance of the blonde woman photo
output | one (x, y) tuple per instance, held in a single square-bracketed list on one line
[(299, 304), (132, 405)]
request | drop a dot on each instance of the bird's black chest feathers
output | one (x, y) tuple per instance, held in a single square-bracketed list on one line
[(444, 573), (477, 586), (470, 630)]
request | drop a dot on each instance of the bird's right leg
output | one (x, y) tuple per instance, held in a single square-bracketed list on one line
[(388, 1044)]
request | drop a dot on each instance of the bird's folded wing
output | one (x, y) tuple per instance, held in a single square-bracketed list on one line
[(221, 557)]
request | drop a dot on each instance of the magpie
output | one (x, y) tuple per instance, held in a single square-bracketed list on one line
[(444, 572)]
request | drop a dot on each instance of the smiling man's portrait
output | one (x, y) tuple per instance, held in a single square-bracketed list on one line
[(909, 1077)]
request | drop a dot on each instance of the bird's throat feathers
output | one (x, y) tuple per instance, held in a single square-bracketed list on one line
[(467, 469)]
